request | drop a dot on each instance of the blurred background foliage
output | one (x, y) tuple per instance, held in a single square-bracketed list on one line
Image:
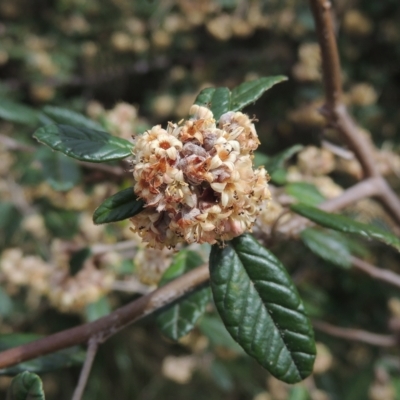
[(129, 65)]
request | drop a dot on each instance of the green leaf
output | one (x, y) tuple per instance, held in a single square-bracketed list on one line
[(305, 192), (221, 100), (60, 172), (212, 327), (120, 206), (16, 112), (346, 225), (218, 99), (298, 393), (179, 319), (278, 161), (249, 92), (328, 245), (98, 309), (68, 117), (84, 144), (60, 359), (26, 386), (261, 308)]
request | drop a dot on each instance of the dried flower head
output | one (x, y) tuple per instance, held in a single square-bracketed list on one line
[(197, 180)]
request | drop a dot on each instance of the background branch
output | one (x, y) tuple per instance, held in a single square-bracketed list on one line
[(336, 112), (356, 335), (111, 324)]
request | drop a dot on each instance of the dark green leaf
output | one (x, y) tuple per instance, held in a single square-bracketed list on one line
[(120, 206), (328, 245), (218, 99), (305, 192), (60, 359), (261, 308), (16, 112), (221, 100), (26, 386), (179, 319), (68, 117), (62, 223), (60, 172), (78, 259), (249, 92), (84, 144), (98, 309), (346, 225)]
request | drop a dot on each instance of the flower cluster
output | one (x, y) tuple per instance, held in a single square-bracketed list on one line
[(197, 180)]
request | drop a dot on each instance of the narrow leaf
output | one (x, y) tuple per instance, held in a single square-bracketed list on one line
[(179, 319), (68, 117), (261, 308), (16, 112), (346, 225), (84, 144), (26, 386), (328, 245), (249, 92), (120, 206), (305, 193), (60, 359)]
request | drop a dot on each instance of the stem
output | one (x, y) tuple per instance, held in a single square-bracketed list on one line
[(356, 335), (379, 274), (111, 324), (336, 112), (87, 367)]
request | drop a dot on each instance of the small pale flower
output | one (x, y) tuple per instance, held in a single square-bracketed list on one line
[(197, 180)]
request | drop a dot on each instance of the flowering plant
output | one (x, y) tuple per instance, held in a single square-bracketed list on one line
[(195, 182)]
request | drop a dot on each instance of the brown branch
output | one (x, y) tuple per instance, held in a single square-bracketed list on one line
[(356, 335), (374, 272), (336, 112), (111, 324), (93, 345)]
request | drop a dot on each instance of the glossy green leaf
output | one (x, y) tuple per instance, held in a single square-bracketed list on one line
[(16, 112), (26, 386), (305, 192), (60, 359), (249, 92), (261, 308), (221, 99), (120, 206), (68, 117), (218, 99), (346, 225), (328, 245), (179, 319), (60, 172), (84, 144)]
